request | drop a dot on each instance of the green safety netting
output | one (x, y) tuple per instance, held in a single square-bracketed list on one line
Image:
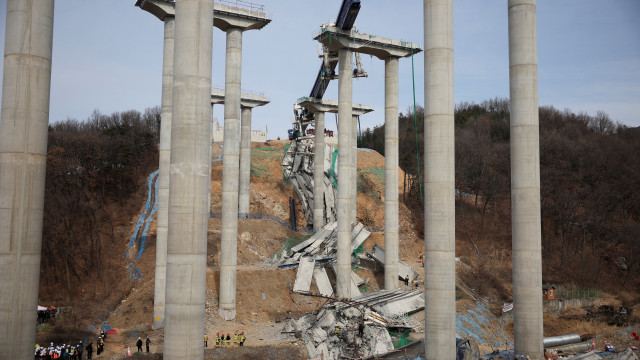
[(400, 339), (265, 153), (358, 250), (332, 171), (258, 171)]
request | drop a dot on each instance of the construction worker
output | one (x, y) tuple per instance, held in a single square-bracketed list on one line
[(242, 338), (89, 349), (415, 284), (236, 339), (406, 281), (217, 339), (228, 340), (338, 332), (206, 339)]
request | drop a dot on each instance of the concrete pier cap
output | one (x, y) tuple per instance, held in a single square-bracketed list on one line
[(227, 14), (330, 106), (383, 48), (248, 99)]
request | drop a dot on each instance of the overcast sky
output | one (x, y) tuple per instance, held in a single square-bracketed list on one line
[(107, 55)]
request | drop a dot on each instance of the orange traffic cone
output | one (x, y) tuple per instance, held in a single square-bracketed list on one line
[(128, 352)]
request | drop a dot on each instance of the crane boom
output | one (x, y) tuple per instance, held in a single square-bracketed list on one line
[(345, 20)]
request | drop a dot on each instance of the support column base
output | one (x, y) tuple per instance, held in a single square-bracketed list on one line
[(227, 314), (158, 320)]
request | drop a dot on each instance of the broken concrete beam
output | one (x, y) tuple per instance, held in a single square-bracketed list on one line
[(357, 279), (323, 351), (311, 349), (297, 160), (404, 305), (326, 319), (304, 275), (403, 269), (376, 341), (393, 302), (322, 281), (355, 291), (360, 238)]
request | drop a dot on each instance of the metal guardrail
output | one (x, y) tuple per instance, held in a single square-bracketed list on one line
[(354, 32), (242, 91), (255, 10)]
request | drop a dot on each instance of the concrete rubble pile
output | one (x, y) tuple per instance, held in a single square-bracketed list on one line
[(298, 166), (318, 251), (342, 329)]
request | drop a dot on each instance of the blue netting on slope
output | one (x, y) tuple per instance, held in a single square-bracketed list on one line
[(143, 238), (481, 325), (144, 221)]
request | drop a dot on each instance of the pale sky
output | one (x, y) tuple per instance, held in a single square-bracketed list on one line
[(107, 55)]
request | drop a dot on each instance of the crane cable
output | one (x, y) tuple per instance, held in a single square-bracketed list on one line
[(415, 123)]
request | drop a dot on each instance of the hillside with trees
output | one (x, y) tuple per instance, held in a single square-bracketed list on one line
[(590, 177), (94, 171)]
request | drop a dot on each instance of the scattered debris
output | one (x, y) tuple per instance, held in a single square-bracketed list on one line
[(342, 329), (316, 252), (628, 354)]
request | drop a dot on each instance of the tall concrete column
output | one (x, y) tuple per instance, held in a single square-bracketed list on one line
[(230, 172), (525, 179), (345, 164), (354, 170), (439, 165), (163, 175), (318, 173), (190, 178), (391, 227), (23, 157), (244, 197)]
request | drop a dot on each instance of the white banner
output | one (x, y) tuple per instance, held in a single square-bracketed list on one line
[(507, 307)]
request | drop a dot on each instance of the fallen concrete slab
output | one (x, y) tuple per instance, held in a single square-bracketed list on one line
[(403, 269), (322, 281), (393, 302), (304, 275)]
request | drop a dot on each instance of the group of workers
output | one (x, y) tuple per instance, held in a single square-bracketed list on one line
[(223, 340), (64, 351), (69, 352)]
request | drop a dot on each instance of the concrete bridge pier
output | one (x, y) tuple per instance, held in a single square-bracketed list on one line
[(190, 178), (230, 173), (525, 179), (163, 175), (439, 174), (244, 197), (23, 156), (391, 223), (354, 170), (345, 165), (318, 172)]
